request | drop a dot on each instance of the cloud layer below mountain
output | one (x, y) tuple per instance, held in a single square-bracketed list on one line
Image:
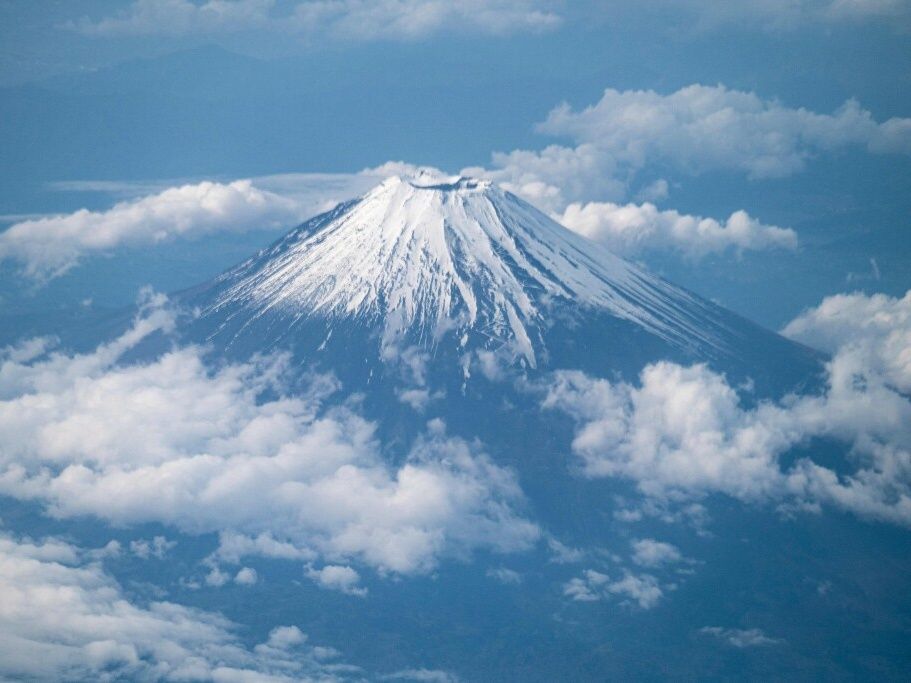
[(682, 431), (877, 328), (63, 617), (231, 450)]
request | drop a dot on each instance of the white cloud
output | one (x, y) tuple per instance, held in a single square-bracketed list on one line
[(246, 576), (334, 20), (563, 554), (417, 399), (64, 618), (178, 17), (654, 192), (740, 638), (422, 676), (338, 578), (790, 14), (875, 327), (417, 19), (642, 589), (152, 212), (853, 9), (648, 552), (216, 578), (233, 546), (700, 128), (692, 514), (285, 476), (317, 193), (158, 547), (505, 575), (582, 589), (633, 228), (50, 246), (693, 130), (552, 177), (696, 129), (682, 433), (679, 430)]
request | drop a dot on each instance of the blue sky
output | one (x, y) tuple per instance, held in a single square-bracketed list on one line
[(756, 152)]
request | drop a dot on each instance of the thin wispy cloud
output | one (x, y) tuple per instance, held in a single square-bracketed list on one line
[(789, 15), (340, 20), (739, 637)]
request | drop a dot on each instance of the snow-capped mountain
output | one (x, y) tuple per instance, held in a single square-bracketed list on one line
[(463, 270)]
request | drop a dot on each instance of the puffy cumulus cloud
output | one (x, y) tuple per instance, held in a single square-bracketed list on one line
[(648, 552), (642, 589), (693, 130), (62, 617), (50, 246), (216, 578), (246, 576), (682, 429), (230, 450), (740, 638), (876, 327), (347, 20), (700, 128), (633, 228), (338, 578), (682, 433)]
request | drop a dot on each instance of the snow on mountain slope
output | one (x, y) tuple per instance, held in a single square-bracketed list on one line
[(425, 256)]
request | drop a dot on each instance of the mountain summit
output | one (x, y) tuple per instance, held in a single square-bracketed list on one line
[(459, 266)]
